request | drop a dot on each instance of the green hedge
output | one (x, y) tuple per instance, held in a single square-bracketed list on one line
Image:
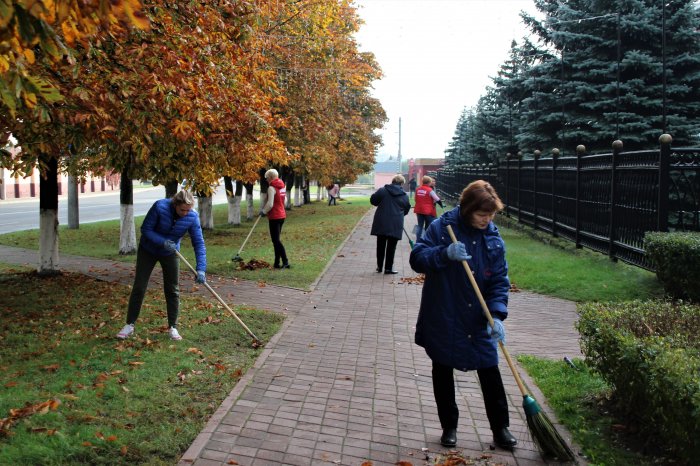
[(676, 258), (649, 352)]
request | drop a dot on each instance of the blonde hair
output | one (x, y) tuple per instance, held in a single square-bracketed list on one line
[(271, 174), (398, 179), (427, 179), (183, 197)]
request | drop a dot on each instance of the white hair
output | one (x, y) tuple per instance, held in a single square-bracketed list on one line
[(271, 174)]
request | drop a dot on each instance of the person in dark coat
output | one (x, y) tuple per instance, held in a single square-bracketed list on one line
[(392, 205), (166, 222), (451, 324)]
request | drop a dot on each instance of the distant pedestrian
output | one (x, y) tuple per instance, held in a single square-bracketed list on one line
[(166, 222), (274, 209), (426, 198), (412, 186), (333, 191), (451, 325), (392, 205)]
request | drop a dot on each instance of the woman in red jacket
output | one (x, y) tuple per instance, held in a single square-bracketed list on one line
[(274, 209), (425, 206)]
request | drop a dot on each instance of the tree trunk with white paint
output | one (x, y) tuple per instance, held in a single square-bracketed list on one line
[(48, 219), (249, 200), (206, 215), (297, 191), (73, 207), (127, 226), (233, 197)]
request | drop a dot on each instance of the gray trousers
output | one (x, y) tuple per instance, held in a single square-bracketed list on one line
[(145, 262)]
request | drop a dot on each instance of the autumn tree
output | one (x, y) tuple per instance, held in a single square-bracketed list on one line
[(36, 52)]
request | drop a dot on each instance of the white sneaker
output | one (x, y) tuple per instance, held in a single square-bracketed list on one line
[(126, 331), (174, 335)]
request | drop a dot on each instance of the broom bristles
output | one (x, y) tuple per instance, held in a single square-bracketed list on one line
[(547, 438)]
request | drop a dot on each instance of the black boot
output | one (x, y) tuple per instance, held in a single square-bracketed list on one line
[(449, 438), (504, 439)]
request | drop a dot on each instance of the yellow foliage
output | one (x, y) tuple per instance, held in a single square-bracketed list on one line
[(4, 64), (29, 54)]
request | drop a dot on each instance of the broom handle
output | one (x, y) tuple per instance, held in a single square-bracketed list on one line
[(487, 313), (249, 233), (216, 295)]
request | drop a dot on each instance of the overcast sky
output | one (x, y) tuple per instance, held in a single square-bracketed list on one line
[(437, 57)]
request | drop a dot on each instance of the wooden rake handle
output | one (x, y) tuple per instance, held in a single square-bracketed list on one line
[(248, 237), (487, 313), (216, 295)]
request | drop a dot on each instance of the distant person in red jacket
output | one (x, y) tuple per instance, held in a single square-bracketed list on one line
[(274, 209), (425, 205)]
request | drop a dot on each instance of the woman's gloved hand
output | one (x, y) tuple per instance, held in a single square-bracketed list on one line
[(457, 252), (170, 245), (201, 277), (498, 332)]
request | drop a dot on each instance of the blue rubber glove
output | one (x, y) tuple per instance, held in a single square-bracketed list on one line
[(498, 332), (201, 277), (457, 252), (170, 245)]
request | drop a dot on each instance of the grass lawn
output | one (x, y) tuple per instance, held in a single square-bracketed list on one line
[(575, 274), (311, 234), (105, 401), (79, 363)]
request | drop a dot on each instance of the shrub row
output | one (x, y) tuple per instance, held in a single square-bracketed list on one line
[(649, 353), (676, 258)]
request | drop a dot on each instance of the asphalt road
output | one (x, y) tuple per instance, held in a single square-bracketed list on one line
[(24, 214)]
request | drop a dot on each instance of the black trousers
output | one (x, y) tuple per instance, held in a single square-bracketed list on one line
[(275, 233), (145, 263), (491, 387), (386, 248)]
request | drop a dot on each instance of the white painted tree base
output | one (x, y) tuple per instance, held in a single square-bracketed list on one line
[(234, 210), (127, 230), (48, 242), (249, 213), (206, 216)]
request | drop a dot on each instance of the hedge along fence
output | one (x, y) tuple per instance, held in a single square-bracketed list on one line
[(649, 353), (676, 259)]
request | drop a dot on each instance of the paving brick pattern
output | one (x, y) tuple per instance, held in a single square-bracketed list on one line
[(343, 382)]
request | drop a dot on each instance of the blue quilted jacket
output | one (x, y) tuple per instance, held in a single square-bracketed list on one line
[(451, 325), (162, 223)]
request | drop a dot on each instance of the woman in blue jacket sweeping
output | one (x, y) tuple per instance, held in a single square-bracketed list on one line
[(451, 325), (166, 222)]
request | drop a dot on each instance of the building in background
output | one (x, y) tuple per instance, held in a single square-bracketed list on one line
[(18, 187), (420, 167), (384, 172)]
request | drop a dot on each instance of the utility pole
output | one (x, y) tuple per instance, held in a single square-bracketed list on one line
[(399, 156)]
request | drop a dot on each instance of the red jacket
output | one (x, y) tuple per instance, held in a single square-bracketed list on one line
[(277, 210), (424, 202)]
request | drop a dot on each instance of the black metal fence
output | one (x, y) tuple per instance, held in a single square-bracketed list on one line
[(604, 202)]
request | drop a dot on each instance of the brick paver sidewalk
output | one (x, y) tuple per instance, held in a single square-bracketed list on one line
[(343, 382)]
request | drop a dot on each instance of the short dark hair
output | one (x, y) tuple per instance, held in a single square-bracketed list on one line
[(479, 195)]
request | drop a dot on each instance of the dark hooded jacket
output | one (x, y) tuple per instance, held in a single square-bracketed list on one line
[(392, 205), (451, 325)]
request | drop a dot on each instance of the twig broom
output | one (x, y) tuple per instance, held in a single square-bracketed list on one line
[(548, 440)]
